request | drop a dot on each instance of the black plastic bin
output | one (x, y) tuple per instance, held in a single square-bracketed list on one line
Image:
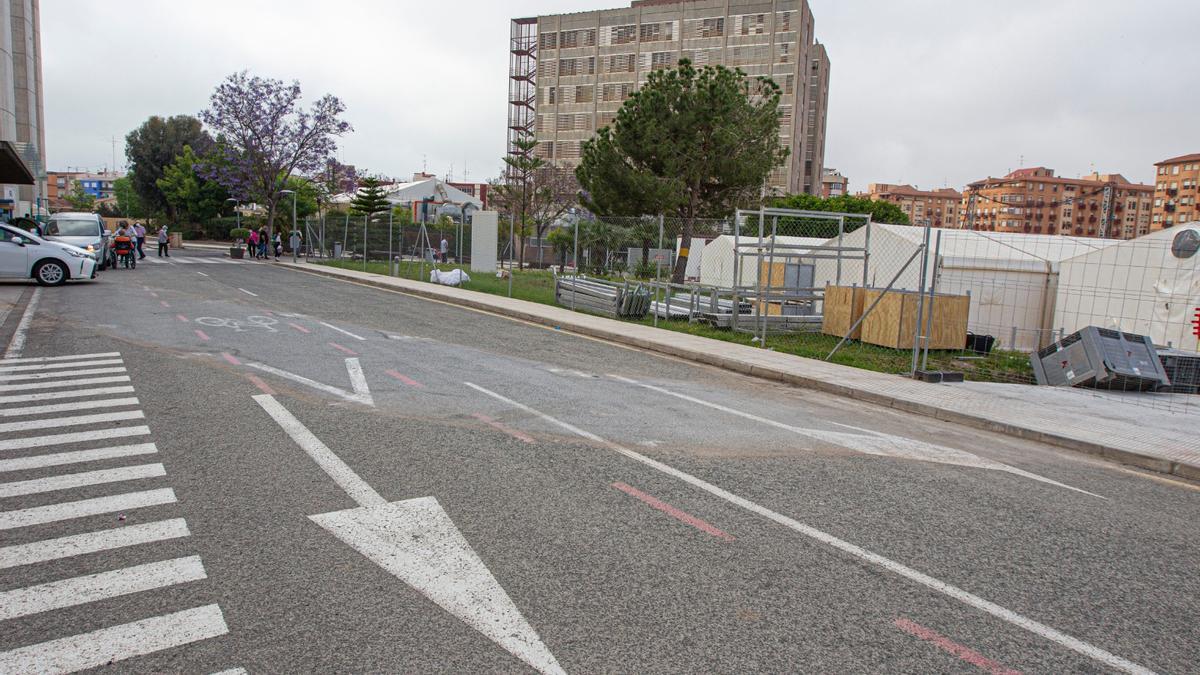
[(980, 344)]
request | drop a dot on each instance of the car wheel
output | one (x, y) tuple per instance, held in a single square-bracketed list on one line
[(50, 273)]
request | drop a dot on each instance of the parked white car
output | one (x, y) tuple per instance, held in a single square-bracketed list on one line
[(50, 263)]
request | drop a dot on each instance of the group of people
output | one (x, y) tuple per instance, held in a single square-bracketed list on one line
[(137, 236), (261, 243)]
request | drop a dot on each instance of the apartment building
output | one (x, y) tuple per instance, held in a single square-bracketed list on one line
[(935, 208), (1035, 201), (1176, 189), (570, 73), (22, 129), (833, 183)]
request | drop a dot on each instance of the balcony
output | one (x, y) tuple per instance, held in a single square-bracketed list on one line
[(1172, 192), (1170, 208)]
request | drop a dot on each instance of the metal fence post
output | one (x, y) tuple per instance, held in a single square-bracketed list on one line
[(365, 218), (937, 257), (575, 264), (920, 301), (658, 275), (512, 244)]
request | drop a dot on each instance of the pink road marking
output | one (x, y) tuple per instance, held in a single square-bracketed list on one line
[(230, 358), (344, 350), (153, 294), (181, 318), (300, 328), (947, 645), (409, 381), (263, 386), (163, 303), (202, 335), (267, 312), (496, 425), (674, 512)]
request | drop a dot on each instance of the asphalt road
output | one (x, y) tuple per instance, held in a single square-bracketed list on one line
[(640, 513)]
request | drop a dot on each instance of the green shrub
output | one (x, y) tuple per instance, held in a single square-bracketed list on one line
[(239, 233)]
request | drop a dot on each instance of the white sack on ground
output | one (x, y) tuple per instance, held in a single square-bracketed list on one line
[(451, 278)]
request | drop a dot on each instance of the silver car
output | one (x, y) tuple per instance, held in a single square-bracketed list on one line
[(85, 230)]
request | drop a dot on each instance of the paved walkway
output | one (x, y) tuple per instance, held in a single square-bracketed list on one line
[(1171, 448)]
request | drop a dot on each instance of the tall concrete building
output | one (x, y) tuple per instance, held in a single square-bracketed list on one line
[(570, 73), (813, 162), (22, 133)]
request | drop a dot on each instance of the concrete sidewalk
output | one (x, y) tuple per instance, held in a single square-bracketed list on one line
[(1171, 449)]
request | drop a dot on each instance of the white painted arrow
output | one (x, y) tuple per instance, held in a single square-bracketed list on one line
[(417, 542), (358, 382)]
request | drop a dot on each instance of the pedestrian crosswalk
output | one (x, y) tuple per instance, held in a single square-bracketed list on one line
[(74, 448), (191, 260)]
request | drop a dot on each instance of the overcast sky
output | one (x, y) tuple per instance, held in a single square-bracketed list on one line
[(930, 92)]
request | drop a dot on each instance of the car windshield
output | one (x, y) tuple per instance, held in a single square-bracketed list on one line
[(72, 227)]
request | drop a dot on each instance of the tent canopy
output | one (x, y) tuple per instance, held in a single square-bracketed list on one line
[(430, 189)]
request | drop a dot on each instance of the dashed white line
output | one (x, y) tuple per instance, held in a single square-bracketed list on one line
[(17, 343), (248, 292), (62, 439), (92, 542), (93, 587), (202, 274), (74, 421), (1004, 614), (55, 395), (67, 407), (342, 331), (75, 480), (116, 643), (51, 513), (76, 457)]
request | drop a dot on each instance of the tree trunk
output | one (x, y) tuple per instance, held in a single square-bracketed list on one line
[(645, 252), (679, 274)]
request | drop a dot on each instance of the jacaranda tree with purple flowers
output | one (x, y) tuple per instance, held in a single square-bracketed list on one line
[(264, 136)]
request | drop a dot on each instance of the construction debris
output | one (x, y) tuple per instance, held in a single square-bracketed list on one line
[(603, 297)]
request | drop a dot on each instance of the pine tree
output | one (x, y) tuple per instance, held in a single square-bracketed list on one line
[(370, 199)]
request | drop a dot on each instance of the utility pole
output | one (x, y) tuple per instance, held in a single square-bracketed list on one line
[(971, 209)]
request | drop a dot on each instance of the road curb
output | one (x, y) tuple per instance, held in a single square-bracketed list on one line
[(1112, 453)]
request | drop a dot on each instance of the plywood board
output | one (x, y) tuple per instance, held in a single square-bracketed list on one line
[(842, 306), (894, 321)]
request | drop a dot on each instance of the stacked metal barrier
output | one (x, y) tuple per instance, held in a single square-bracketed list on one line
[(603, 297)]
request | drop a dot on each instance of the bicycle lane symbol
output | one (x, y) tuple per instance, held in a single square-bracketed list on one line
[(262, 322)]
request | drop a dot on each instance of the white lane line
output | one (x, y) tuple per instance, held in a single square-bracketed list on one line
[(74, 480), (92, 542), (74, 421), (50, 359), (202, 274), (362, 394), (76, 457), (182, 261), (233, 671), (77, 393), (872, 442), (51, 513), (17, 343), (248, 292), (63, 439), (28, 386), (342, 331), (93, 587), (25, 377), (1042, 630), (320, 453), (117, 643), (68, 407), (62, 364), (210, 262)]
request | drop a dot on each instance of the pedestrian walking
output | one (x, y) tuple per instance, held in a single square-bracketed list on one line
[(445, 249), (263, 239), (139, 232), (252, 244), (295, 241), (164, 240), (277, 244)]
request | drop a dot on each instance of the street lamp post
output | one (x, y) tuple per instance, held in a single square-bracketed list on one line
[(293, 234)]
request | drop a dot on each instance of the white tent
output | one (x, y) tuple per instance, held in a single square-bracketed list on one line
[(1011, 278), (431, 189), (1147, 286), (716, 259)]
